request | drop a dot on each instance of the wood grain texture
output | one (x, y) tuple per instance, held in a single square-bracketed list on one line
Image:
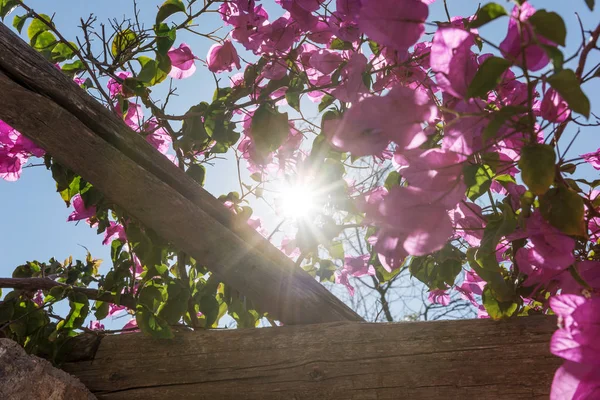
[(472, 359), (46, 106)]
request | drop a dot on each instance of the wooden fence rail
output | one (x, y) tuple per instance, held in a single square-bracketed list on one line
[(472, 359), (46, 106)]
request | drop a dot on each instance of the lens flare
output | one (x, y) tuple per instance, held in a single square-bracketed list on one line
[(297, 201)]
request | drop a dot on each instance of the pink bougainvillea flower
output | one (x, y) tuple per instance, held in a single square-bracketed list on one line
[(11, 165), (437, 172), (115, 88), (593, 159), (81, 211), (577, 342), (112, 232), (439, 296), (96, 326), (472, 286), (130, 326), (395, 23), (535, 56), (468, 222), (353, 266), (182, 62), (554, 108), (157, 136), (368, 126), (352, 85), (452, 60), (325, 61), (278, 37), (223, 57)]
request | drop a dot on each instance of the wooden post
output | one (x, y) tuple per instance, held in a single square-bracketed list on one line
[(469, 359), (46, 106)]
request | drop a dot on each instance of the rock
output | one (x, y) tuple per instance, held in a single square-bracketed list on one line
[(26, 377)]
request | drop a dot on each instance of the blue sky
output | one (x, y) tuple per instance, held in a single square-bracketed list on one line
[(33, 217)]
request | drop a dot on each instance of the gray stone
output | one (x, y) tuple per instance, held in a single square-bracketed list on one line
[(26, 377)]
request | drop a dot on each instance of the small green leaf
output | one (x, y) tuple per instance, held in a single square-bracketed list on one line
[(44, 42), (292, 95), (62, 52), (556, 56), (269, 128), (567, 85), (339, 44), (393, 179), (564, 209), (79, 310), (336, 250), (6, 7), (209, 307), (19, 22), (374, 46), (169, 8), (165, 37), (590, 4), (151, 324), (537, 167), (197, 172), (488, 76), (73, 68), (499, 118), (326, 102), (549, 25), (495, 308), (176, 297), (478, 179), (38, 26), (102, 308), (487, 13), (124, 41), (150, 74)]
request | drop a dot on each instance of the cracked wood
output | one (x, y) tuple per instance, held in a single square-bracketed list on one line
[(473, 359)]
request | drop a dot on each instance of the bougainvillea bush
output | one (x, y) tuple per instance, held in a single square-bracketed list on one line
[(444, 154)]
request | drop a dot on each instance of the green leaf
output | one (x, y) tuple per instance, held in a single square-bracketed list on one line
[(150, 74), (73, 68), (339, 44), (549, 25), (488, 76), (19, 22), (102, 308), (495, 308), (499, 118), (124, 41), (537, 167), (151, 324), (393, 179), (567, 85), (564, 209), (79, 310), (556, 56), (590, 4), (478, 179), (44, 43), (336, 250), (169, 8), (197, 172), (326, 102), (6, 7), (38, 26), (209, 307), (487, 13), (292, 95), (62, 52), (375, 47), (151, 297), (176, 297), (269, 128), (165, 37)]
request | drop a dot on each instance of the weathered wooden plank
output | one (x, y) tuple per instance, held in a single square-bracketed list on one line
[(287, 292), (472, 359), (290, 294)]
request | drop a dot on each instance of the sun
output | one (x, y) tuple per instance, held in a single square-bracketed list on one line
[(297, 201)]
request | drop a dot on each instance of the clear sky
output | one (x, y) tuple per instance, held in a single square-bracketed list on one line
[(33, 216)]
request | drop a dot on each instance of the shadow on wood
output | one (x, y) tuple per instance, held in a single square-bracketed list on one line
[(471, 359)]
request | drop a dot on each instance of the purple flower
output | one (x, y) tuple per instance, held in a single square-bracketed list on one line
[(81, 211), (222, 57), (439, 296), (554, 108), (593, 159), (182, 62), (395, 23)]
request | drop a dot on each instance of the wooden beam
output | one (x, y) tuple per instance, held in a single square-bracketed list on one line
[(471, 359), (43, 104)]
